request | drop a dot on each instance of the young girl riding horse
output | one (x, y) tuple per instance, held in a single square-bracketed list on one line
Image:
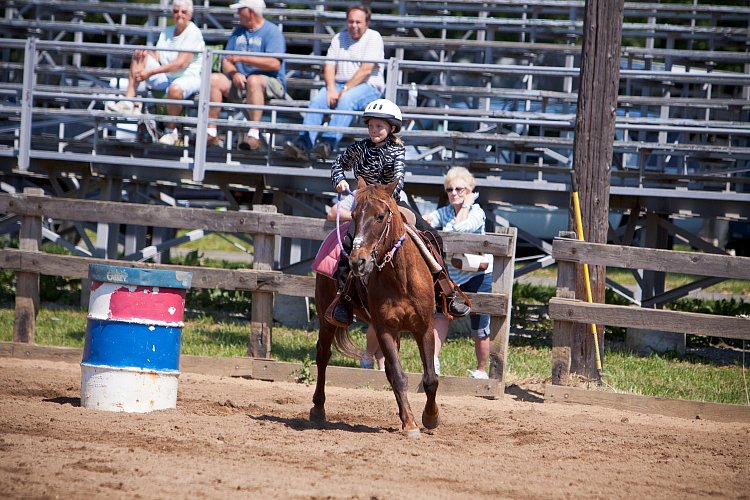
[(379, 159)]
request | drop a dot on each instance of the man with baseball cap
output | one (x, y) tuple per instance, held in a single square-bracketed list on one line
[(249, 78)]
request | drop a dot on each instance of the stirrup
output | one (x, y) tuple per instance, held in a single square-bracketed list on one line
[(339, 312)]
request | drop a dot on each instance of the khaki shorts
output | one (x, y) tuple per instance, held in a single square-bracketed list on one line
[(274, 90)]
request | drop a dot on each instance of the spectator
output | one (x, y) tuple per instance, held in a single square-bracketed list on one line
[(249, 79), (462, 214), (350, 84), (177, 73)]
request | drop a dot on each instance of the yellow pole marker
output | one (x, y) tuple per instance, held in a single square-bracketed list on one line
[(579, 232)]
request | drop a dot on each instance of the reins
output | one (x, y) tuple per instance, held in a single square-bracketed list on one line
[(388, 257), (338, 223)]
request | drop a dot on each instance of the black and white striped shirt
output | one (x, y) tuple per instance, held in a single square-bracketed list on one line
[(376, 165)]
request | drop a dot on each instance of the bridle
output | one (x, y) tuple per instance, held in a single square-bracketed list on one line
[(388, 257)]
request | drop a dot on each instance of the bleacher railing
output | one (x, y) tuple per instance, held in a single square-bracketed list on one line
[(461, 120)]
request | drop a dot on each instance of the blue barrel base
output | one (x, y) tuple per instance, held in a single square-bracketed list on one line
[(130, 390)]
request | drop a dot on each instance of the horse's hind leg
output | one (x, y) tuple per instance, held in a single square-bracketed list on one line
[(399, 382), (322, 357), (325, 289)]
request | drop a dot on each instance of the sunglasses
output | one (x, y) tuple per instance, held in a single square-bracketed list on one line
[(458, 190), (178, 11)]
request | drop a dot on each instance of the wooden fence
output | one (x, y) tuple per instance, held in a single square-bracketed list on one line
[(567, 311), (263, 225)]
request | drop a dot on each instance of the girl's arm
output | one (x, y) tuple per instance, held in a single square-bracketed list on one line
[(399, 169), (342, 163)]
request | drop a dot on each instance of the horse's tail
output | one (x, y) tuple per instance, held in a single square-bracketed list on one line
[(344, 344)]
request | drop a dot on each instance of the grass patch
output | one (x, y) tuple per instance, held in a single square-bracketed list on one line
[(673, 280), (675, 377), (529, 358), (216, 242)]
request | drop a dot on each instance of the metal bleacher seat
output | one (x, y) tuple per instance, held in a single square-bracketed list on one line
[(495, 81)]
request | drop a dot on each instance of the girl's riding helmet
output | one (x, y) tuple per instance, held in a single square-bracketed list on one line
[(385, 110)]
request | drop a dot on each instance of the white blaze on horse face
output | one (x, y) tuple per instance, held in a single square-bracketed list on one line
[(356, 243)]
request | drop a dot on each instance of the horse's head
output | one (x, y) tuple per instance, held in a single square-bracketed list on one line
[(379, 227)]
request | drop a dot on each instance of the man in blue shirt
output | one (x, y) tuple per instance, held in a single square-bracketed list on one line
[(249, 79)]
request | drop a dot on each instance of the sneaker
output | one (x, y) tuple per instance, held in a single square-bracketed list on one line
[(437, 365), (110, 106), (323, 149), (215, 141), (366, 361), (478, 374), (296, 151), (121, 107), (458, 309), (171, 139)]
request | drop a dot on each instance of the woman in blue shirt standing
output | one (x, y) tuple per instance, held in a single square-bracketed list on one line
[(462, 214)]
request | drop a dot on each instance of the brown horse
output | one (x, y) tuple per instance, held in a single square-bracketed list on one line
[(400, 297)]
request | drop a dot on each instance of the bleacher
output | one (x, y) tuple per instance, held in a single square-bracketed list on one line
[(496, 91)]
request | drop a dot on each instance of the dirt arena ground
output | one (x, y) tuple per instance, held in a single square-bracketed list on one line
[(236, 438)]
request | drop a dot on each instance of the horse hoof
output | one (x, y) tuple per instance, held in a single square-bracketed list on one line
[(412, 433), (430, 422), (317, 414)]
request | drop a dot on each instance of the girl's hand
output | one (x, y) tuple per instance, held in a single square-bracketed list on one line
[(342, 187)]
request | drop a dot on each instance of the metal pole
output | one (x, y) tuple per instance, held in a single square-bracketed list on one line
[(204, 99), (27, 103), (392, 81)]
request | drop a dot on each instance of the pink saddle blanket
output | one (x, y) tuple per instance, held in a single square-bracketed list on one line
[(327, 259)]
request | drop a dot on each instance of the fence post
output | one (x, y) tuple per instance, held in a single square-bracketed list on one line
[(261, 316), (27, 285), (502, 282), (563, 331)]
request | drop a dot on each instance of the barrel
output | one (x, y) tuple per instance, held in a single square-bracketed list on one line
[(131, 353)]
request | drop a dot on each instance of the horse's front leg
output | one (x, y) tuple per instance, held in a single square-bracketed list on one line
[(388, 341), (322, 357), (425, 337)]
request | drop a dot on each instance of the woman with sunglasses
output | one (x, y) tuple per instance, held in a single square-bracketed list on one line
[(462, 214), (177, 73)]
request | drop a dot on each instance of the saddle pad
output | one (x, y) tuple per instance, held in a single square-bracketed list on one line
[(327, 259)]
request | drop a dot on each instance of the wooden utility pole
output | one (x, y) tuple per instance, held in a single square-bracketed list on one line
[(592, 153)]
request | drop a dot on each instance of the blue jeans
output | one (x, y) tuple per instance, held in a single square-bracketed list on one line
[(354, 99), (480, 323)]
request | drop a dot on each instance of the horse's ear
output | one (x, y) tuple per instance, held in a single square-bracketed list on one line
[(392, 186), (361, 184)]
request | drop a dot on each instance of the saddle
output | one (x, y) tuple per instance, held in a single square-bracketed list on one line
[(355, 290)]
